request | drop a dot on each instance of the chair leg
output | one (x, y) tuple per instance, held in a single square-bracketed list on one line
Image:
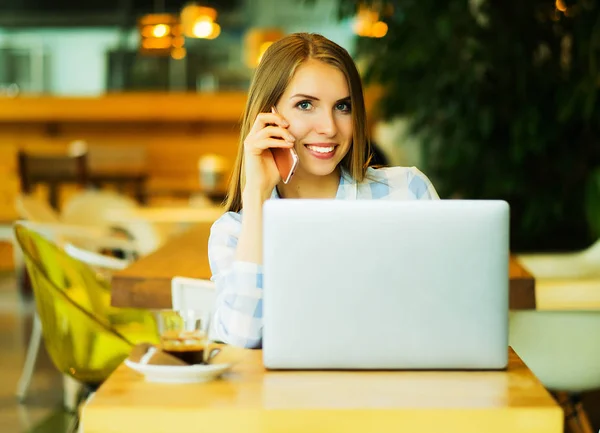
[(85, 394), (582, 417), (35, 341), (576, 419), (72, 390), (74, 425)]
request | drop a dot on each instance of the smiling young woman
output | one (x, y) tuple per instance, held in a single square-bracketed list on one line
[(316, 91)]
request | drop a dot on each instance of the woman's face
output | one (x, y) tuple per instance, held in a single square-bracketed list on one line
[(316, 104)]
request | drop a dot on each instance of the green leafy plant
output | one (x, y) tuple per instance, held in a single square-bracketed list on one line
[(503, 96)]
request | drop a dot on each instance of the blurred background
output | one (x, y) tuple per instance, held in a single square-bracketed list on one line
[(492, 99), (143, 98)]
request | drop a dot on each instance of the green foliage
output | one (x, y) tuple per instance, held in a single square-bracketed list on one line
[(504, 98)]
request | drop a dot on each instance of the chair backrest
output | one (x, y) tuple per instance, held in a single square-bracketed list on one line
[(53, 170), (93, 208), (194, 294), (90, 207), (592, 255), (71, 301)]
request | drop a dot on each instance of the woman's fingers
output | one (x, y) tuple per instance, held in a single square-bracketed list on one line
[(271, 135), (266, 119), (275, 132), (268, 132), (259, 146)]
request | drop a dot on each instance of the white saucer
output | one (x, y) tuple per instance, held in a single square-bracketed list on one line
[(179, 373)]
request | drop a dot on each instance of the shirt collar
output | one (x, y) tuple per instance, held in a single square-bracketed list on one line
[(344, 191)]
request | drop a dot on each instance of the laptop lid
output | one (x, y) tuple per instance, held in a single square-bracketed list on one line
[(385, 284)]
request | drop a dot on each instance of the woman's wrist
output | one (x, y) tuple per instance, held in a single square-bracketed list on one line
[(249, 248), (253, 197)]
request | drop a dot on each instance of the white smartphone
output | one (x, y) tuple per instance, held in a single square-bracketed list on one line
[(286, 160)]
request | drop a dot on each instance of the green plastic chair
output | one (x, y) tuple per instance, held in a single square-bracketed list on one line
[(85, 337)]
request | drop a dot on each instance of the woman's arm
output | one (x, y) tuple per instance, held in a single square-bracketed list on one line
[(249, 247), (235, 245), (238, 309)]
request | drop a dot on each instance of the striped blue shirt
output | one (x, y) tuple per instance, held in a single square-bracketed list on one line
[(238, 309)]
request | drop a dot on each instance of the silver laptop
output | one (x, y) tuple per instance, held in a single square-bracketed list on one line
[(385, 284)]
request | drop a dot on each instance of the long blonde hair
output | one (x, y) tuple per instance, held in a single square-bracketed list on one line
[(274, 73)]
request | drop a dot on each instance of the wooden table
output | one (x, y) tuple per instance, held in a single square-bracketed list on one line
[(147, 282), (249, 399)]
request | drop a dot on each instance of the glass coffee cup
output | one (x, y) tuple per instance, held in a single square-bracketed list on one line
[(184, 335)]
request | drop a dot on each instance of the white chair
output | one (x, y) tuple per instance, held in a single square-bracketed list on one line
[(83, 222), (96, 260), (559, 346), (88, 211), (92, 208), (87, 243), (578, 265), (194, 294)]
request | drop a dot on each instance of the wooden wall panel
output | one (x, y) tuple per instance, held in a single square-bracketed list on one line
[(174, 129)]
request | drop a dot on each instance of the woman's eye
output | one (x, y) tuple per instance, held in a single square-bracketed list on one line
[(343, 106), (304, 105)]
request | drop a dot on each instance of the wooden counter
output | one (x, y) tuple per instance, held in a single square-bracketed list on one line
[(147, 282), (252, 400), (171, 130), (125, 107), (136, 107), (174, 130)]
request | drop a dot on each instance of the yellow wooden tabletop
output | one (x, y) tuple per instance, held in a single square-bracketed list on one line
[(568, 294), (249, 399)]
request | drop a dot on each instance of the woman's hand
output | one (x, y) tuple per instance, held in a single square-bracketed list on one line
[(269, 130)]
